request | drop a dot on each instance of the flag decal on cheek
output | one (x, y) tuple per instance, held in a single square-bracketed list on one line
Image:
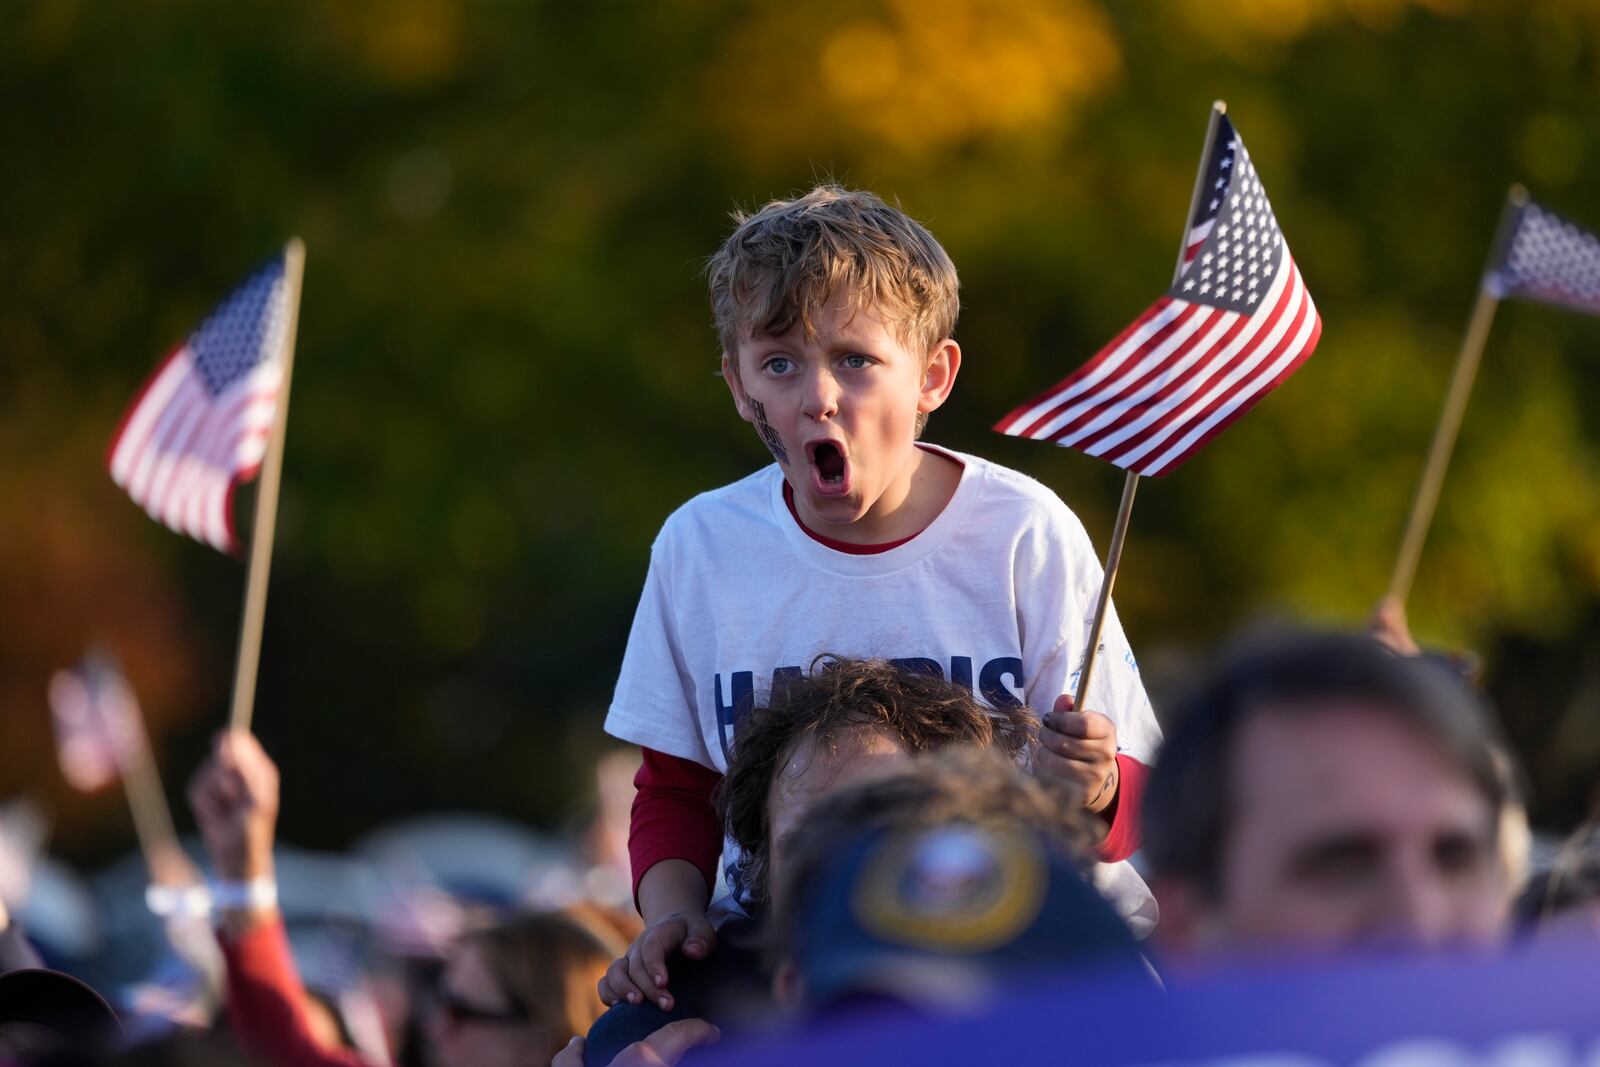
[(769, 436)]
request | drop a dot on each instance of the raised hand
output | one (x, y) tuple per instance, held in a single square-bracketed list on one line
[(234, 796)]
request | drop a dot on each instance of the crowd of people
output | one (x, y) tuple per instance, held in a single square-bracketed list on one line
[(897, 835), (1318, 795)]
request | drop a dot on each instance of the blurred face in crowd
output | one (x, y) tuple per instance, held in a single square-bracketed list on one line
[(476, 1022), (813, 770), (1345, 828)]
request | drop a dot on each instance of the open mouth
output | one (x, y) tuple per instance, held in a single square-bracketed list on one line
[(830, 471)]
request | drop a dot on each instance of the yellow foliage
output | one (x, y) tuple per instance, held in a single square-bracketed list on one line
[(916, 77), (1239, 26)]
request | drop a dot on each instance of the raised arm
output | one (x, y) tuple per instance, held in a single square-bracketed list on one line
[(234, 796)]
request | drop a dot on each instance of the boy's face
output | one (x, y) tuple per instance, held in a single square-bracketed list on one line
[(839, 412)]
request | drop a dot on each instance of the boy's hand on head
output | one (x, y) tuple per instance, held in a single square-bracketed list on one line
[(641, 975), (1080, 747)]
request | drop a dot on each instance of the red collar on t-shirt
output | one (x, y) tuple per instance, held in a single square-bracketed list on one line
[(845, 546)]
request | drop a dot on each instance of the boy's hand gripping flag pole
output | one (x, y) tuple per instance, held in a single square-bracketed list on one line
[(211, 417), (1538, 256), (1236, 322)]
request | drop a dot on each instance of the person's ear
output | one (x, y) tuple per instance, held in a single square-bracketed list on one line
[(741, 401), (788, 986), (939, 372)]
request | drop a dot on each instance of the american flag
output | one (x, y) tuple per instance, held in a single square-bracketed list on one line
[(97, 724), (199, 427), (1235, 324), (1549, 260)]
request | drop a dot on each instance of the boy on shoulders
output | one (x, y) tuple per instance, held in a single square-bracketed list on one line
[(835, 312)]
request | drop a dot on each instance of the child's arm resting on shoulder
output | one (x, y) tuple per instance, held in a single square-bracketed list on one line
[(674, 841), (672, 898)]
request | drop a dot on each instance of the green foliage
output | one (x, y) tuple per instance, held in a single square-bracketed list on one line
[(504, 377)]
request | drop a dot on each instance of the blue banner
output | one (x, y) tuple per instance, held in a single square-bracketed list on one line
[(1526, 1009)]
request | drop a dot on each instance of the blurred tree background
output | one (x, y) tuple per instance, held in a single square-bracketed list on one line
[(504, 374)]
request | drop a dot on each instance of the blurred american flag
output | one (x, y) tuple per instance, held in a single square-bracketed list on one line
[(199, 426), (1549, 260), (98, 730)]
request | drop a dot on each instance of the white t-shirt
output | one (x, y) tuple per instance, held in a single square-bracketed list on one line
[(998, 593)]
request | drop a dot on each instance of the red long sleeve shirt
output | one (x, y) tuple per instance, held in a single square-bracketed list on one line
[(674, 817), (266, 1001)]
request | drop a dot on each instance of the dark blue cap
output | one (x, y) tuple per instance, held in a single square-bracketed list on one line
[(944, 917)]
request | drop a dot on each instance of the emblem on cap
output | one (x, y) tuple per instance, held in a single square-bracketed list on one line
[(953, 889)]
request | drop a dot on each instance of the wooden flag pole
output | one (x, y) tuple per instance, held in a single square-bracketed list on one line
[(1455, 406), (152, 818), (1119, 534), (141, 785), (168, 865), (1130, 485), (266, 518)]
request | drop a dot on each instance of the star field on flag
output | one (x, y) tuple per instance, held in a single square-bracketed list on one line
[(1549, 260)]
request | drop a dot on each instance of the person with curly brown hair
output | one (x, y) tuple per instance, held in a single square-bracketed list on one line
[(846, 721)]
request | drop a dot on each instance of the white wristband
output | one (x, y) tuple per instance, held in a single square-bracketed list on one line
[(168, 900), (258, 895)]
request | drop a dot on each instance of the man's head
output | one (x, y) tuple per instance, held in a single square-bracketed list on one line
[(938, 883), (1319, 793), (835, 312), (847, 720)]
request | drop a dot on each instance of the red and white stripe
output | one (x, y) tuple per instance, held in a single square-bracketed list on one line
[(1197, 239), (180, 451), (97, 726), (1176, 377)]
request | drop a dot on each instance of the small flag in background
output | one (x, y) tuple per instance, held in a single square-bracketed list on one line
[(98, 730), (1549, 260), (1237, 322), (199, 427)]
